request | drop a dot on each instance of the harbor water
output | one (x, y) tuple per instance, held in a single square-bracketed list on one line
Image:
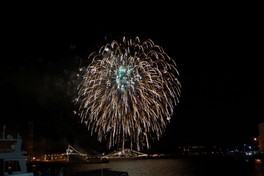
[(168, 167)]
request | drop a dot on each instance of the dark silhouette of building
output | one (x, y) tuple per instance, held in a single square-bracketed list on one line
[(30, 139), (261, 136)]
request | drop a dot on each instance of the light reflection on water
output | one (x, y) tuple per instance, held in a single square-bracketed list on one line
[(179, 167)]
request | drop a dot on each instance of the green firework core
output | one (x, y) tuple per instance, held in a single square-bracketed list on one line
[(124, 77)]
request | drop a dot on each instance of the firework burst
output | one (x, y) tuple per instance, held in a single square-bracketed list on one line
[(128, 93)]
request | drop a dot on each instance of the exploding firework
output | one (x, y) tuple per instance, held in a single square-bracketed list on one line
[(128, 93)]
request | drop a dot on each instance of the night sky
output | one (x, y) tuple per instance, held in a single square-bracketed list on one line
[(219, 61)]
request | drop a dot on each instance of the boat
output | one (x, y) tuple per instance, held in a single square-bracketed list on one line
[(13, 160), (74, 156), (126, 154)]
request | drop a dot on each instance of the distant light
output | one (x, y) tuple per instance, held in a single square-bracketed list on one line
[(259, 161)]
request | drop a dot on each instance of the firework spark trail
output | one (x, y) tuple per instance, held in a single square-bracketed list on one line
[(128, 93)]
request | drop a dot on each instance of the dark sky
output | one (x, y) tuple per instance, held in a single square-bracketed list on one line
[(219, 60)]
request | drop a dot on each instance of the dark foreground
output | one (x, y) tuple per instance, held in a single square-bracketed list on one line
[(70, 169)]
